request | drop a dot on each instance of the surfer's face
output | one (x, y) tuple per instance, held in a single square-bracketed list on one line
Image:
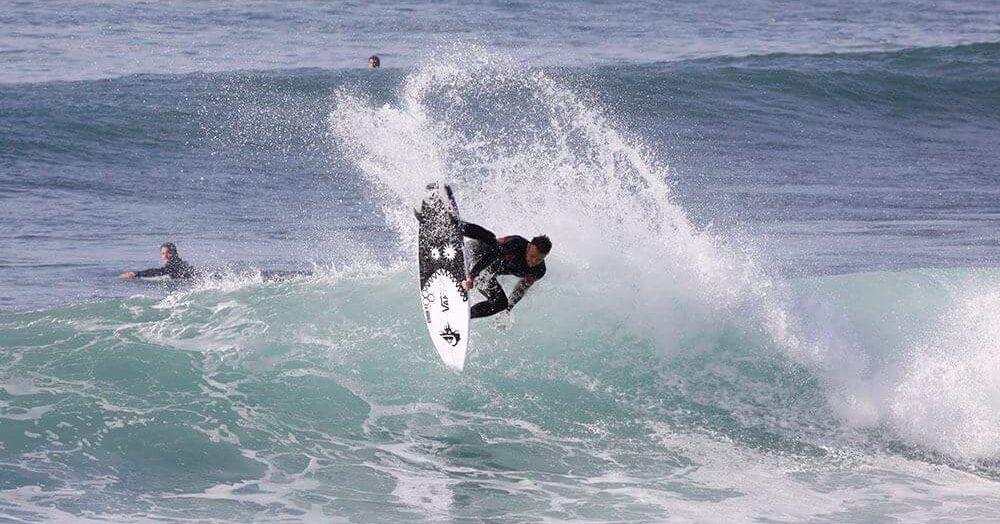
[(165, 254), (533, 256)]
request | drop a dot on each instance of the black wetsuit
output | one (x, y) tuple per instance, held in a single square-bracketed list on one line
[(174, 268), (500, 256)]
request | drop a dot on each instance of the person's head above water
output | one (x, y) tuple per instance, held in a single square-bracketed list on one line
[(537, 249), (168, 251), (374, 62)]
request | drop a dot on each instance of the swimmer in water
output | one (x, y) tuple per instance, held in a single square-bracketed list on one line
[(172, 266)]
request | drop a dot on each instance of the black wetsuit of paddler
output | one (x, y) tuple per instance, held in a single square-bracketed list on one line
[(174, 268), (499, 256)]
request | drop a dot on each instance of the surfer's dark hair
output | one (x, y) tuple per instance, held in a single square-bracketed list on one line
[(171, 249), (378, 63), (543, 244)]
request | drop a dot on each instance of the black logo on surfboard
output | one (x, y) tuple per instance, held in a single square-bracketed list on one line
[(450, 336)]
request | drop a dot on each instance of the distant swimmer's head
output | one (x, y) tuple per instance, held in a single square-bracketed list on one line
[(538, 248), (374, 62), (168, 251)]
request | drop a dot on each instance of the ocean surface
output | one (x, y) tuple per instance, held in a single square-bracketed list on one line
[(774, 292)]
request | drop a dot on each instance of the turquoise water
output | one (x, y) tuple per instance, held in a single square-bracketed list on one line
[(772, 295), (319, 398)]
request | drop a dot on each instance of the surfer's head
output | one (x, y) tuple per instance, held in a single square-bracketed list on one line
[(374, 62), (168, 251), (537, 249)]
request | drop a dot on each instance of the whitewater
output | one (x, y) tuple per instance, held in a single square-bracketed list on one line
[(772, 295)]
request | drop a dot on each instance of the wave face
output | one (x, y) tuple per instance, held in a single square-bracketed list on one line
[(320, 398), (701, 346), (629, 250)]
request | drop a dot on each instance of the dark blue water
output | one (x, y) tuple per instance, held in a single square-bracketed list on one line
[(73, 40), (773, 291), (837, 162)]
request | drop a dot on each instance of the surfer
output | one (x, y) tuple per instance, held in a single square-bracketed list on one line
[(509, 255), (374, 62), (172, 266)]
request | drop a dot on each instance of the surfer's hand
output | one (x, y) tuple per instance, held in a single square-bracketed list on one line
[(128, 275), (502, 322), (467, 284)]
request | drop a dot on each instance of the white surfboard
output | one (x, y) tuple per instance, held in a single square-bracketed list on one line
[(441, 257)]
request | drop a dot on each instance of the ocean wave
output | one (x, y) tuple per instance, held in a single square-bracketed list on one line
[(658, 365), (286, 385)]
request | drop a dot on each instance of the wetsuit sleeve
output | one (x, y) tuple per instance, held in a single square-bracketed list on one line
[(523, 285), (519, 291), (154, 272)]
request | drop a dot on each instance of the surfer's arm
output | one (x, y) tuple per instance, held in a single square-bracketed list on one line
[(519, 291), (154, 272)]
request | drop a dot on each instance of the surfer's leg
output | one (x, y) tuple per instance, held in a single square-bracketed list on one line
[(496, 300)]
